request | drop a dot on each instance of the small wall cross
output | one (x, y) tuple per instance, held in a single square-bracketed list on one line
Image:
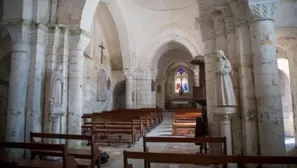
[(102, 48)]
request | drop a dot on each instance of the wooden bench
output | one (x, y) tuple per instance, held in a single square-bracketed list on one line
[(105, 133), (184, 122), (93, 154), (68, 161), (153, 114), (141, 121), (205, 159), (201, 140)]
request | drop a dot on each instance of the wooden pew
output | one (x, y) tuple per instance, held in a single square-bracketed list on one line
[(153, 114), (205, 159), (105, 133), (68, 161), (93, 154), (184, 122), (201, 140), (141, 121), (87, 123)]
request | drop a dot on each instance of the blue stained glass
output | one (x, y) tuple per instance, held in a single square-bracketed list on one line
[(181, 71)]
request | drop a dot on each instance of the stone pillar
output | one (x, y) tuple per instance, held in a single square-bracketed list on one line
[(34, 111), (78, 40), (247, 102), (56, 126), (207, 31), (234, 59), (267, 89), (225, 124), (292, 57), (129, 73), (20, 56)]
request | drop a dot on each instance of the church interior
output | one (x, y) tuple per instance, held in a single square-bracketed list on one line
[(148, 83)]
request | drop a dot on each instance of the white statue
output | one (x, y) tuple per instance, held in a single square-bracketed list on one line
[(225, 92), (57, 86)]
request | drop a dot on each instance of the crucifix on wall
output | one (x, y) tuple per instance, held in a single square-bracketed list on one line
[(102, 48)]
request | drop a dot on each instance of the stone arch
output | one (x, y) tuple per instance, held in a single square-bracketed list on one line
[(168, 85), (119, 14), (119, 95), (171, 38), (101, 85)]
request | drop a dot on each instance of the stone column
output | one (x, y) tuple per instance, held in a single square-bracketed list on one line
[(78, 40), (292, 57), (129, 73), (20, 57), (207, 31), (247, 102), (34, 111), (267, 89), (234, 59), (225, 124), (56, 126)]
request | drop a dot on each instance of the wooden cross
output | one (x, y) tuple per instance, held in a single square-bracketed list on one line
[(102, 48)]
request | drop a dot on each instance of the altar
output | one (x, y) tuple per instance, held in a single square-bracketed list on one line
[(181, 103)]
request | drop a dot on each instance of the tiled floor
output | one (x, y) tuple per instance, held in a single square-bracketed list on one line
[(164, 129)]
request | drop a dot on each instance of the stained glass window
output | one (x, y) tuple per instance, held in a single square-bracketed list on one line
[(181, 81)]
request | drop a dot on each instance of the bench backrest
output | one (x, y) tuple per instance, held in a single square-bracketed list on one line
[(221, 140), (89, 138), (37, 146), (206, 159)]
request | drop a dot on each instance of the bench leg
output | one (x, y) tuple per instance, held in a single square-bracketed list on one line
[(99, 161)]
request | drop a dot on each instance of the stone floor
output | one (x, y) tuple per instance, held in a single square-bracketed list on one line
[(164, 129)]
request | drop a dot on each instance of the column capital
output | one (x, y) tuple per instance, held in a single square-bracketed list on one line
[(78, 39), (262, 9), (238, 10), (129, 73), (219, 23), (19, 30), (206, 28), (229, 20)]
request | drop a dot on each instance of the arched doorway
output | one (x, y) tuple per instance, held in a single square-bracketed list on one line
[(119, 95)]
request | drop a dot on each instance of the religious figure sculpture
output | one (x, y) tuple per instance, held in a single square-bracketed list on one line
[(108, 84), (225, 92), (57, 86), (153, 87)]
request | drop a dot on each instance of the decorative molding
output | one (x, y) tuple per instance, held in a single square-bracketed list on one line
[(78, 39), (129, 73), (219, 23), (238, 10), (230, 26), (262, 10)]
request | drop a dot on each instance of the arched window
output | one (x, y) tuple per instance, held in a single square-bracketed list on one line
[(181, 81)]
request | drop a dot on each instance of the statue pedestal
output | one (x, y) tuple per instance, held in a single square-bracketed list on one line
[(56, 125), (224, 115)]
